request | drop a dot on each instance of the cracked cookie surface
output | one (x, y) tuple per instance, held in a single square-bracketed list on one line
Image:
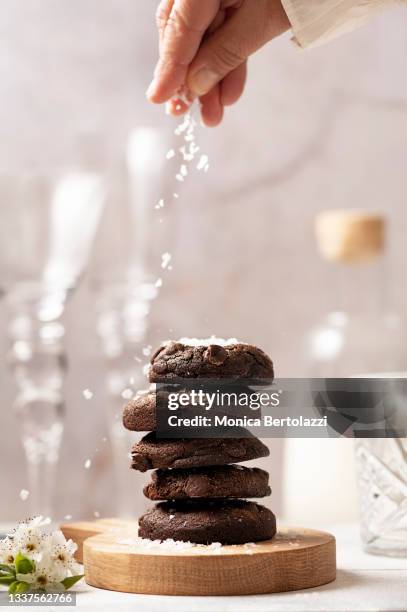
[(152, 452), (234, 361), (226, 522), (223, 481)]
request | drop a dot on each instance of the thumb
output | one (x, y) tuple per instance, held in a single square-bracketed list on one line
[(247, 29)]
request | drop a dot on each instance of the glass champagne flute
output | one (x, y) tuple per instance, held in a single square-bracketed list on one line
[(46, 232)]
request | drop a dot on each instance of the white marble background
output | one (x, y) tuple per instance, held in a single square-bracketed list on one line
[(326, 128)]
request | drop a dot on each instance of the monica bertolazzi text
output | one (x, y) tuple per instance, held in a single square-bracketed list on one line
[(228, 421)]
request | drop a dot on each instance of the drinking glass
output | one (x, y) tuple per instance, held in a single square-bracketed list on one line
[(382, 480), (46, 232), (382, 471)]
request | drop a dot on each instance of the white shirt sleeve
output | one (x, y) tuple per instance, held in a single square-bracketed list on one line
[(315, 22)]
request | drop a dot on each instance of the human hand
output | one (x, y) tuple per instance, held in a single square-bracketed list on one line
[(204, 46)]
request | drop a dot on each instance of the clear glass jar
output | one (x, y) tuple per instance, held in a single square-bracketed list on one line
[(362, 336)]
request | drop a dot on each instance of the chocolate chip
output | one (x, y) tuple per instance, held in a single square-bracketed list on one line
[(216, 354), (173, 347)]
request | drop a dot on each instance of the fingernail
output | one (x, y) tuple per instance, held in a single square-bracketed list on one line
[(151, 89), (202, 81)]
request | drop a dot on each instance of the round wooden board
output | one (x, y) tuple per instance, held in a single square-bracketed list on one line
[(295, 559)]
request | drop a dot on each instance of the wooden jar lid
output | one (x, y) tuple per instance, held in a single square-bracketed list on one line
[(350, 236)]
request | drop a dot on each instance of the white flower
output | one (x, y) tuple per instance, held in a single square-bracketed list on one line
[(34, 523), (7, 551), (47, 575), (52, 555), (62, 553), (29, 539), (30, 542)]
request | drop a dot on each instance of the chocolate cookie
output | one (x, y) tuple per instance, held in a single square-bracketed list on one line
[(152, 452), (139, 413), (234, 361), (227, 522), (208, 482)]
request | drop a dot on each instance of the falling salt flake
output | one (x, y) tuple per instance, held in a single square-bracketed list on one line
[(159, 205), (87, 394), (147, 350), (24, 494), (175, 195), (127, 394), (87, 464), (159, 283), (189, 148), (146, 369), (137, 359), (188, 155), (96, 514), (170, 154), (185, 126), (203, 162), (165, 260), (67, 517)]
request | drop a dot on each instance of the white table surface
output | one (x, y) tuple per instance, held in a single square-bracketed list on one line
[(365, 583)]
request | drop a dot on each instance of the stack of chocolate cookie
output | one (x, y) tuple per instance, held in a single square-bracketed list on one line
[(198, 479)]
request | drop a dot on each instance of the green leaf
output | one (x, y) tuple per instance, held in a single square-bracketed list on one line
[(6, 569), (69, 582), (13, 587), (23, 564), (7, 579), (22, 587)]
